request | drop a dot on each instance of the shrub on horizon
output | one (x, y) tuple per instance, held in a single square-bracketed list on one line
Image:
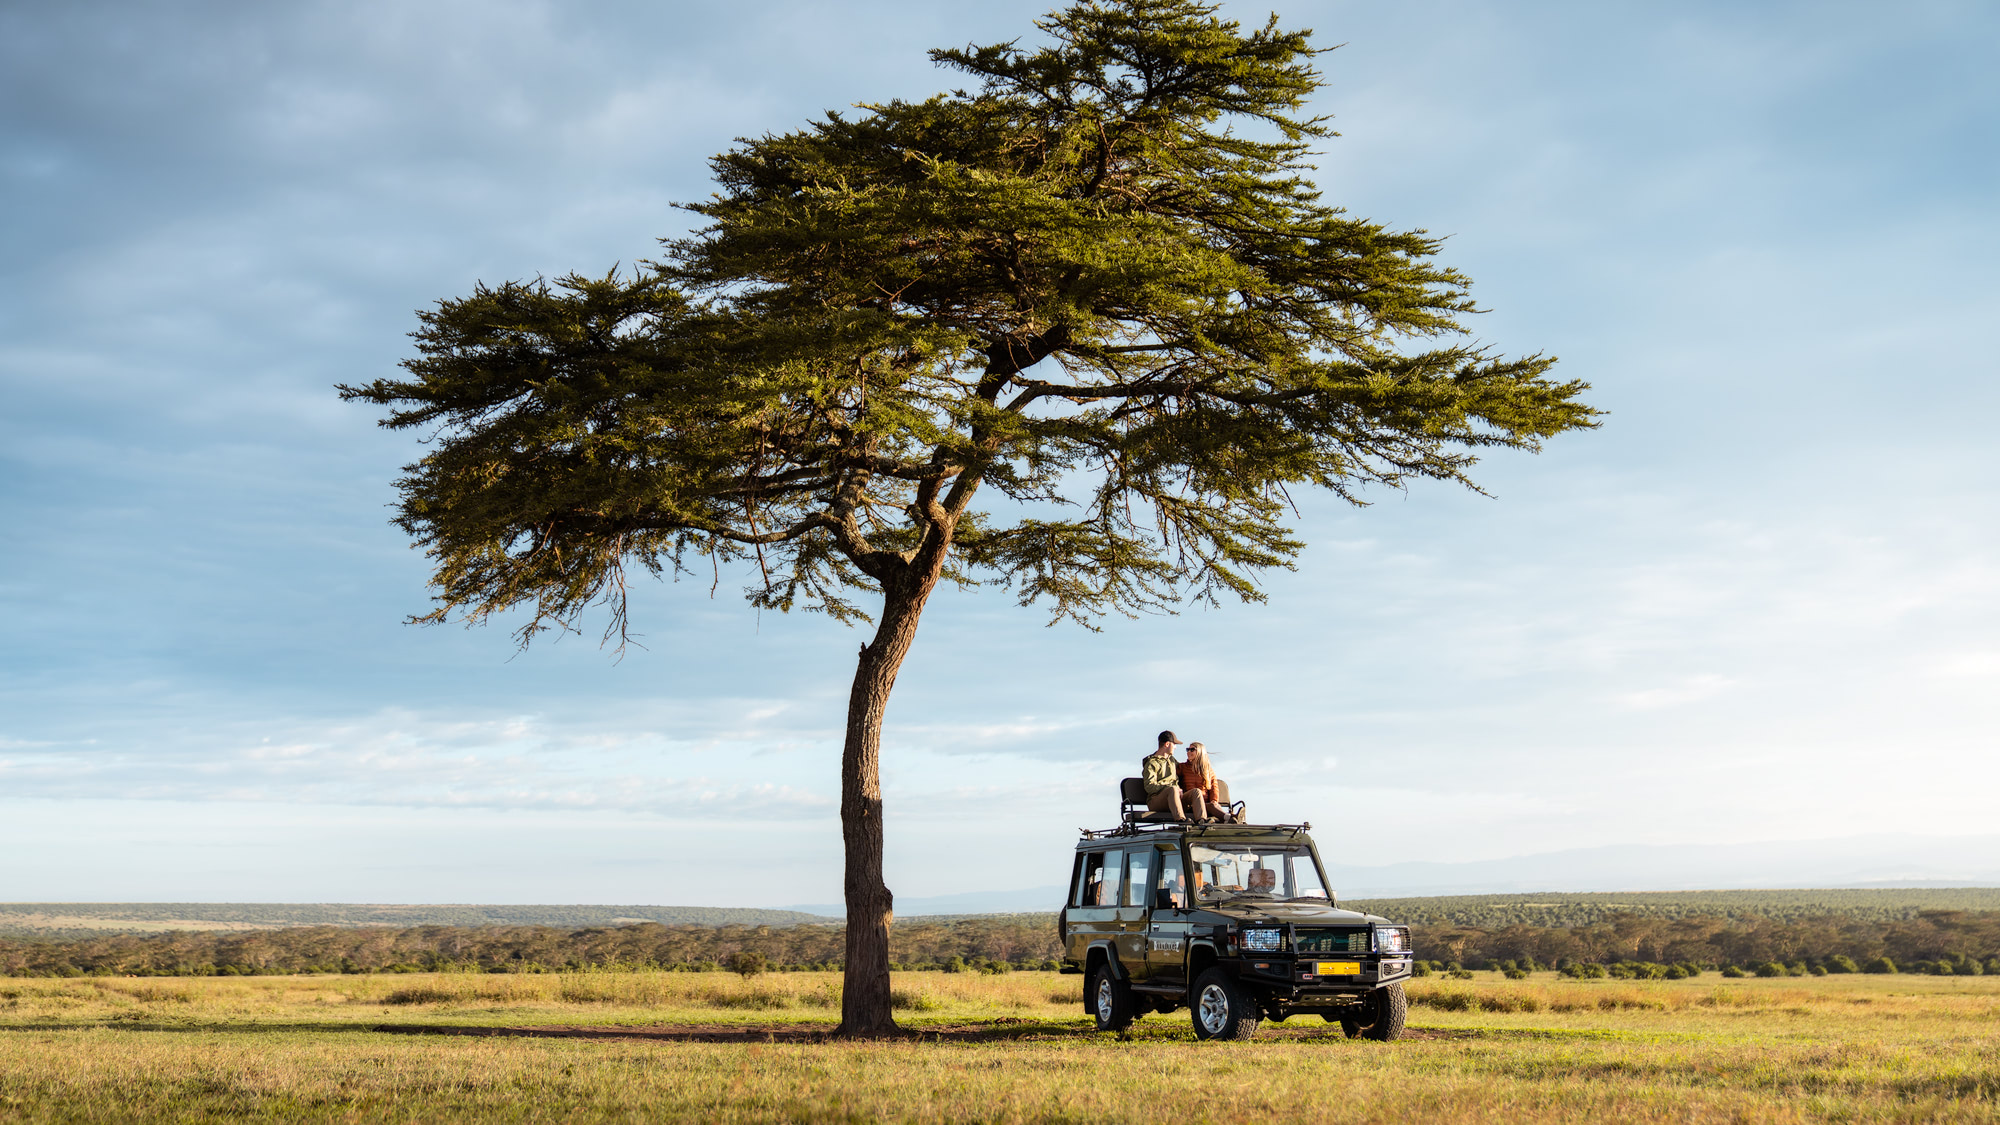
[(1841, 963), (1879, 965)]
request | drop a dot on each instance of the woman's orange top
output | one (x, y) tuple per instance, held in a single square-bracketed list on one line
[(1198, 775)]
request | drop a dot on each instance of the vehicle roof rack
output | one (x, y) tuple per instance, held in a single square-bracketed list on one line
[(1155, 828)]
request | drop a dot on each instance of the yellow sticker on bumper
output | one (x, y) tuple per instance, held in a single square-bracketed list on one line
[(1340, 968)]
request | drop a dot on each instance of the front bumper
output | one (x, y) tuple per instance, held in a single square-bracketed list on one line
[(1300, 976)]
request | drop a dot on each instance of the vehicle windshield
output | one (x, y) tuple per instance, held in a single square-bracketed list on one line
[(1223, 871)]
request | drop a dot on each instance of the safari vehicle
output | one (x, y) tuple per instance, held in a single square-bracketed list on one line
[(1235, 921)]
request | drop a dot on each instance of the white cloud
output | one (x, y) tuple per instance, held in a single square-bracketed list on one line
[(1693, 689), (1969, 666)]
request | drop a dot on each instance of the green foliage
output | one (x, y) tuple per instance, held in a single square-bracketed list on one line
[(1098, 285), (1839, 943), (523, 949), (1574, 910), (1733, 972), (84, 919), (746, 963)]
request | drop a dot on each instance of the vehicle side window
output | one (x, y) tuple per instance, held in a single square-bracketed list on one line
[(1173, 883), (1076, 880), (1102, 874), (1138, 876), (1114, 875)]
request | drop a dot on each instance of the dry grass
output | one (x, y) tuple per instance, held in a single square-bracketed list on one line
[(1834, 1049)]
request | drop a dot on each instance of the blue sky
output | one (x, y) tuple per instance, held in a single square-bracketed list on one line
[(1762, 603)]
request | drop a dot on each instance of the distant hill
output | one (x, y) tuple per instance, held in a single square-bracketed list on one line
[(1847, 861), (1034, 900), (72, 919)]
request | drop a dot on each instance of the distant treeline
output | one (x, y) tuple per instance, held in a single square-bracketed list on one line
[(1017, 941), (1932, 936), (1785, 934), (1562, 911), (80, 919)]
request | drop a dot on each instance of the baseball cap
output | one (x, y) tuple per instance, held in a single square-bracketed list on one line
[(1168, 736)]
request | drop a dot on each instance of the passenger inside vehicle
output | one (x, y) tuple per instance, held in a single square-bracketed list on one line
[(1285, 871)]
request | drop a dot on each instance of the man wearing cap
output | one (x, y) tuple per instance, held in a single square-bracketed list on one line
[(1161, 778)]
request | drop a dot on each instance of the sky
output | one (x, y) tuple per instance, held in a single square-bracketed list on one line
[(1762, 603)]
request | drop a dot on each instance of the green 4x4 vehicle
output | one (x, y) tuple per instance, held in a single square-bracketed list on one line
[(1233, 920)]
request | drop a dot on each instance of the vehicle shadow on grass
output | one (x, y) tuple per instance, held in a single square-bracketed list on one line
[(986, 1032), (754, 1033), (989, 1031)]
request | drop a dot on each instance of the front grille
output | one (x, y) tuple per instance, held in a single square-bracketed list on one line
[(1333, 941)]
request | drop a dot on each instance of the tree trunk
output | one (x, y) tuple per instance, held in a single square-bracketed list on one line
[(864, 1003)]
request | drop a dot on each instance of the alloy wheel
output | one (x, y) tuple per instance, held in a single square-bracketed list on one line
[(1214, 1009)]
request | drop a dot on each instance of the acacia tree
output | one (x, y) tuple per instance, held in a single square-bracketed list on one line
[(1097, 290)]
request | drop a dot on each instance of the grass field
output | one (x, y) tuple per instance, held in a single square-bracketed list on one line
[(712, 1047)]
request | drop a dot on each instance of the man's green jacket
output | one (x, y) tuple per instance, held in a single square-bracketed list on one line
[(1160, 773)]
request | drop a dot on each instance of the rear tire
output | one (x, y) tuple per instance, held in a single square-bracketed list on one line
[(1221, 1009), (1111, 1000)]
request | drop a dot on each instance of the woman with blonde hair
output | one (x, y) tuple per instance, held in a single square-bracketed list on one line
[(1197, 776)]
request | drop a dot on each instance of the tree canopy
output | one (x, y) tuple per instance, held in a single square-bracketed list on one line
[(1080, 329)]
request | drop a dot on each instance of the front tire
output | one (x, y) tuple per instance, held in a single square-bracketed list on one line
[(1111, 1001), (1221, 1009), (1386, 1011)]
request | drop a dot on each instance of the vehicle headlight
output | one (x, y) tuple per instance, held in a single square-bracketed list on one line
[(1260, 941), (1392, 941)]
